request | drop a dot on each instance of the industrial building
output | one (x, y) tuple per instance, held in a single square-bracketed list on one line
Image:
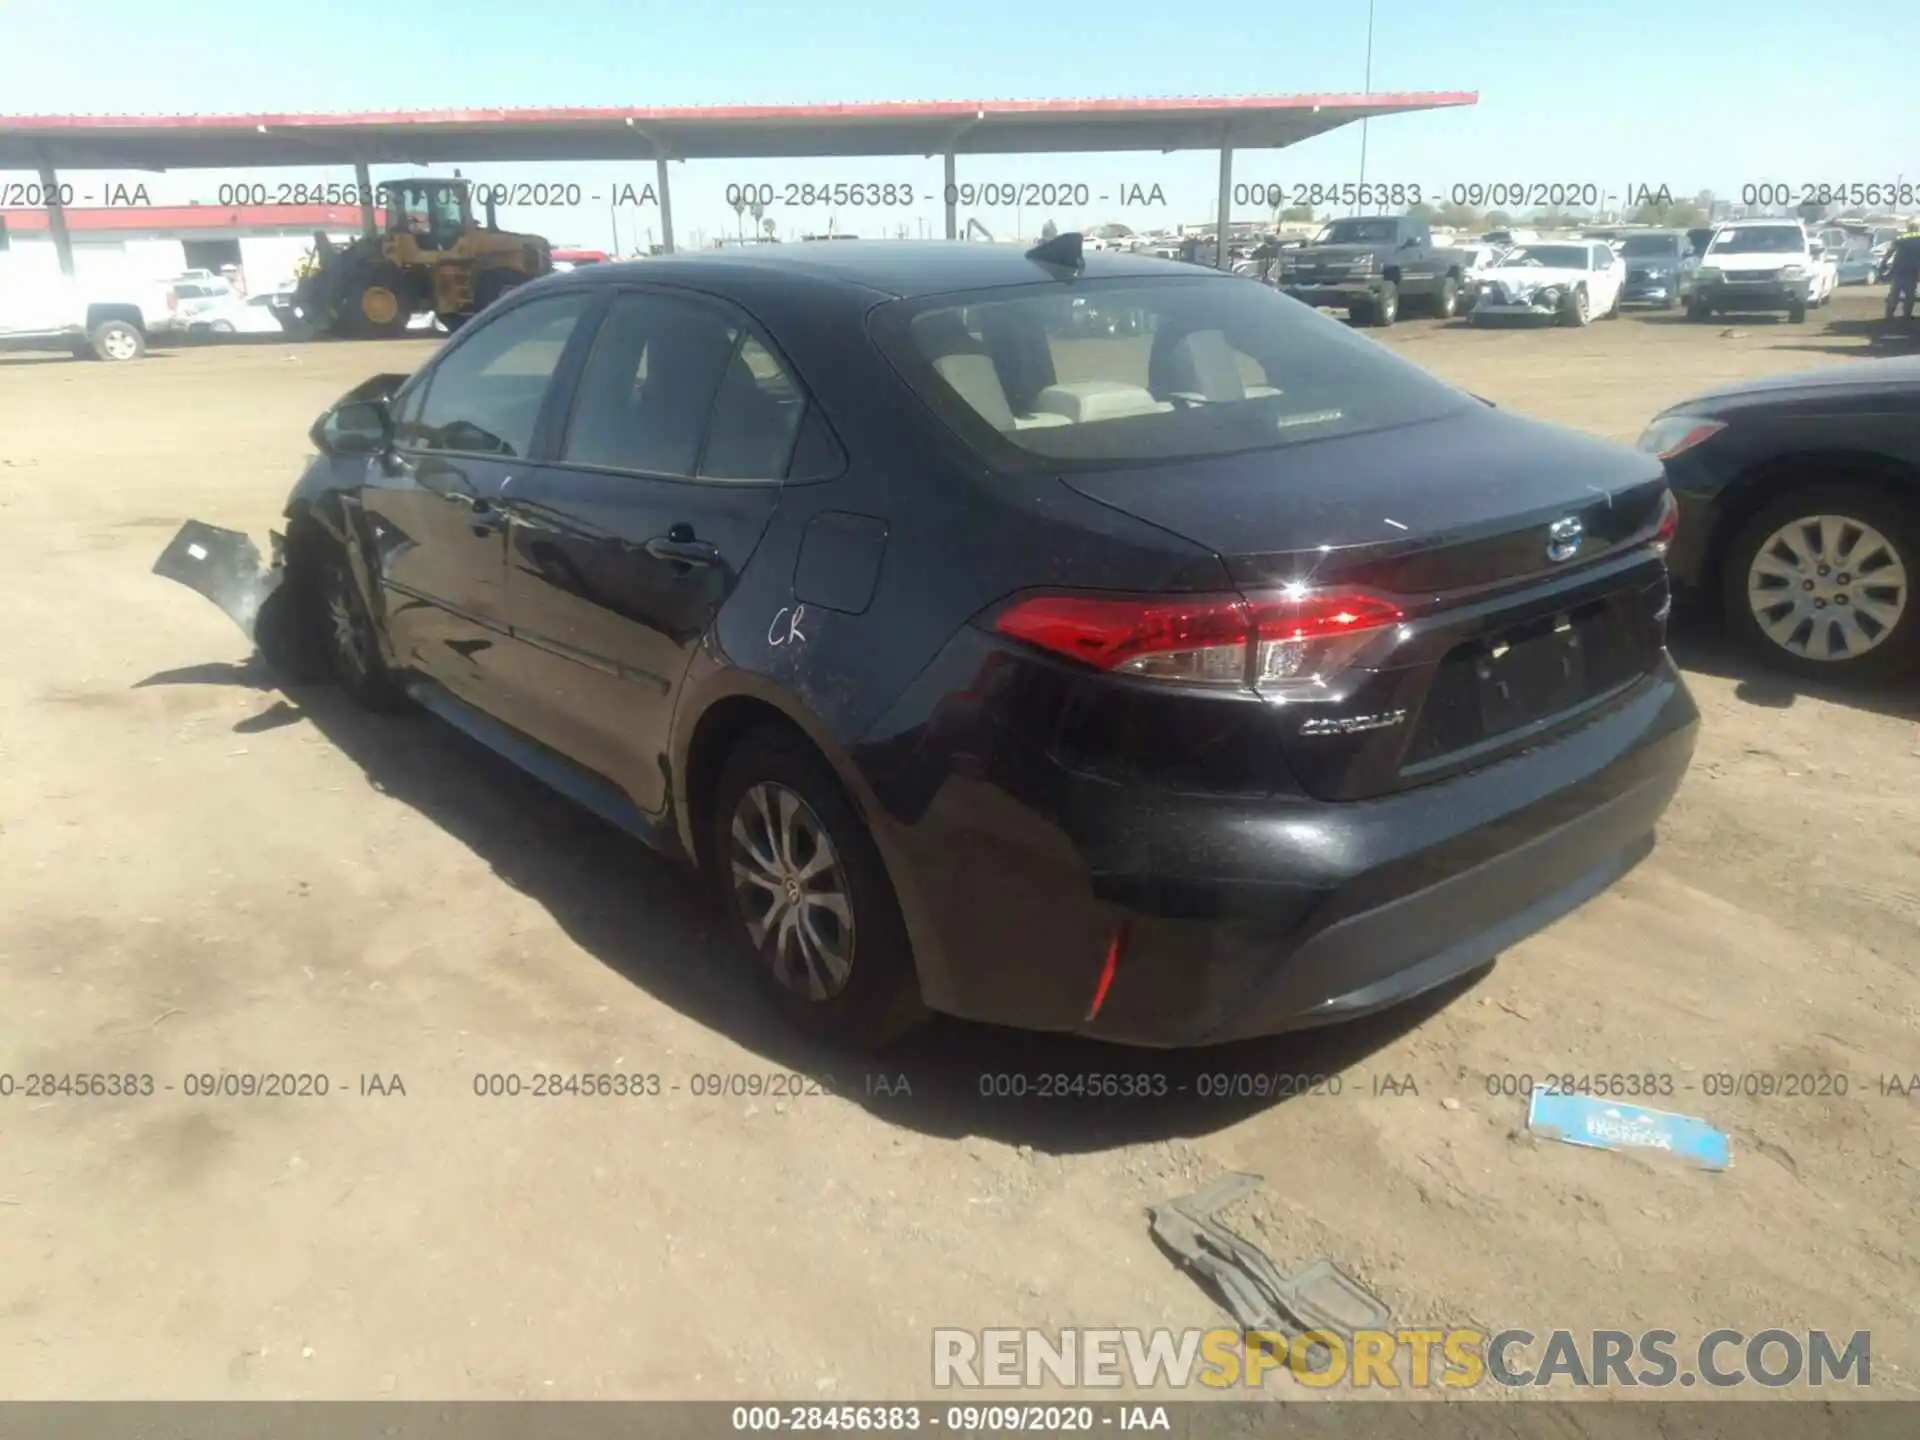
[(263, 243)]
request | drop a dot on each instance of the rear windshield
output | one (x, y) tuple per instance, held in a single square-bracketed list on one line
[(1651, 245), (1121, 372)]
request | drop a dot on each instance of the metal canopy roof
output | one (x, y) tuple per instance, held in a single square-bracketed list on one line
[(963, 127)]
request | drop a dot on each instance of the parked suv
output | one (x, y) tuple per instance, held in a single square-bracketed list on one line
[(1366, 265), (1759, 265), (1660, 268)]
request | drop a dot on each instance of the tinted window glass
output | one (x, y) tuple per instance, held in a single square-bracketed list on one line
[(1554, 257), (1165, 370), (754, 419), (484, 396), (1358, 232), (1760, 240), (650, 384), (1651, 247)]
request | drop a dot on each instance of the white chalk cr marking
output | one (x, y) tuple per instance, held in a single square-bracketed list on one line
[(1394, 523), (788, 633), (198, 552)]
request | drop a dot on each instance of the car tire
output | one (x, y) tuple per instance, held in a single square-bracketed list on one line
[(117, 340), (1672, 302), (1447, 303), (1386, 305), (290, 633), (1698, 310), (351, 637), (784, 831), (1575, 311), (1796, 314), (1863, 525)]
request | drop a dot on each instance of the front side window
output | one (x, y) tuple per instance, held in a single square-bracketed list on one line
[(1178, 369), (484, 395)]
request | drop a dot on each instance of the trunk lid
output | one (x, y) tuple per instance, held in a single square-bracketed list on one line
[(1442, 505), (1511, 631)]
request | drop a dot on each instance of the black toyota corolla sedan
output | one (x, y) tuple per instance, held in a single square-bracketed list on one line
[(1799, 499), (1201, 675)]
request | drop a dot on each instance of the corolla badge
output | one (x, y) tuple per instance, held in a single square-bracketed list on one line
[(1564, 537), (1353, 724)]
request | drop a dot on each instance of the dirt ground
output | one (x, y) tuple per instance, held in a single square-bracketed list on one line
[(206, 875)]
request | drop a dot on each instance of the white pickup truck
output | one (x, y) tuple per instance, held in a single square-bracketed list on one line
[(110, 317)]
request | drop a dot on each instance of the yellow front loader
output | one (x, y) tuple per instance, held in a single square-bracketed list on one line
[(430, 256)]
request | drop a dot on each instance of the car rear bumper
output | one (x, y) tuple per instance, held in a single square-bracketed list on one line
[(1231, 916), (1651, 292)]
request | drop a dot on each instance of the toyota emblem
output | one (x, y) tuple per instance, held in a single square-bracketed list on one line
[(1564, 537)]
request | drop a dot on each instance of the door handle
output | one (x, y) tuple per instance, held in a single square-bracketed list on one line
[(685, 550), (487, 518)]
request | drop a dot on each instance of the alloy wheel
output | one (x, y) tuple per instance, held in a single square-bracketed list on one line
[(120, 344), (1827, 587), (349, 631), (791, 889)]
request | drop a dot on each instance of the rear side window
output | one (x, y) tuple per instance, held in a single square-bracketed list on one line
[(1133, 372), (649, 385), (755, 418), (682, 389), (484, 396)]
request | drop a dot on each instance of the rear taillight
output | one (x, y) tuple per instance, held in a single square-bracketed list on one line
[(1286, 643), (1303, 638), (1669, 525)]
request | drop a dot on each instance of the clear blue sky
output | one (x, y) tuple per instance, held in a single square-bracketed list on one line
[(1708, 94)]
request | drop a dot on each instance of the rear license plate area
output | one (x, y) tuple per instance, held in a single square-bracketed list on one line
[(1530, 675)]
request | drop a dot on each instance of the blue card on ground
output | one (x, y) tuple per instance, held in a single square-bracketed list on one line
[(1609, 1125)]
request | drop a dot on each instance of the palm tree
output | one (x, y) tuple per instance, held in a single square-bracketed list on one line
[(739, 213), (756, 210)]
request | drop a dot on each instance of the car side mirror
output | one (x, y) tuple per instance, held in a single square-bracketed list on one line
[(358, 427)]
